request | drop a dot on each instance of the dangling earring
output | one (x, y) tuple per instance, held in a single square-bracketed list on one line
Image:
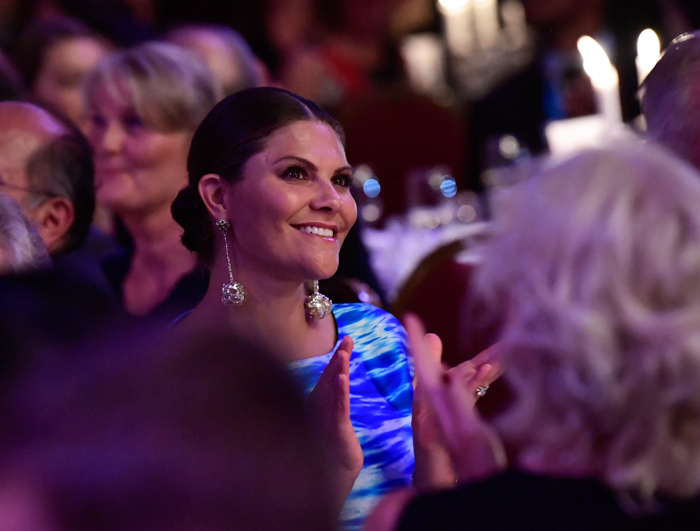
[(232, 292), (317, 305)]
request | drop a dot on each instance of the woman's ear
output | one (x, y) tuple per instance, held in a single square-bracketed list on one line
[(212, 189)]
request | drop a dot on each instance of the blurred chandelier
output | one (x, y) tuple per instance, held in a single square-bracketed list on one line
[(485, 44)]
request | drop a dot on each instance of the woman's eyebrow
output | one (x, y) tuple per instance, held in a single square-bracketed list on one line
[(308, 163), (298, 159)]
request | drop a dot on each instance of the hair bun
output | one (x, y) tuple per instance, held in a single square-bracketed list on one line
[(189, 211)]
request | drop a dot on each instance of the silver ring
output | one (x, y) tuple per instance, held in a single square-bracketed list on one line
[(481, 390)]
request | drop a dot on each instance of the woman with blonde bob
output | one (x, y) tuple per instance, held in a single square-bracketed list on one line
[(145, 104), (598, 258)]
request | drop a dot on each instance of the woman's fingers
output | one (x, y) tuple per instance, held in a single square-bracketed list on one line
[(433, 345), (343, 375), (331, 400), (493, 355), (346, 345), (333, 392), (473, 447), (426, 351), (477, 375), (463, 392)]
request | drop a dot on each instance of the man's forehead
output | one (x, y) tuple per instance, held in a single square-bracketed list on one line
[(23, 129), (16, 143), (21, 116)]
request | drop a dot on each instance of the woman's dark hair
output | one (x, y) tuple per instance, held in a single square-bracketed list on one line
[(235, 130)]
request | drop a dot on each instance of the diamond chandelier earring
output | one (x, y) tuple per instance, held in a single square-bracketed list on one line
[(232, 292), (317, 305)]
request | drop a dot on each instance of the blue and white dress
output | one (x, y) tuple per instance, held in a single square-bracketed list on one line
[(381, 396)]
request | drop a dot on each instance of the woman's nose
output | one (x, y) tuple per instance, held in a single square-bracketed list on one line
[(327, 198), (110, 139)]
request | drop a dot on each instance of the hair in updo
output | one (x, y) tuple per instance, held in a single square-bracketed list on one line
[(235, 130)]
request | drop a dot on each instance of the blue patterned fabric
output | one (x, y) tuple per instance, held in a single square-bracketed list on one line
[(381, 395)]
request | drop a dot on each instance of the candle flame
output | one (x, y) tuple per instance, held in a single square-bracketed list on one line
[(452, 6), (596, 63), (648, 49)]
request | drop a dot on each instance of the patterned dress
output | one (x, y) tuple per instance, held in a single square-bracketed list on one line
[(381, 394)]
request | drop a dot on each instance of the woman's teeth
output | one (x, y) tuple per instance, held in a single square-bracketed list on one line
[(325, 233)]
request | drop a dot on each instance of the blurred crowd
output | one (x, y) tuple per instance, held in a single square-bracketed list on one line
[(179, 204)]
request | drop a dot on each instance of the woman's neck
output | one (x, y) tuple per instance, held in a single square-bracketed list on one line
[(153, 233), (158, 262)]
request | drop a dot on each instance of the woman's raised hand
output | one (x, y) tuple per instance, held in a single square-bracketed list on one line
[(331, 402), (444, 413)]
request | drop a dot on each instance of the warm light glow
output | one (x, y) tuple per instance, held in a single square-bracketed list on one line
[(648, 45), (452, 6), (603, 78), (648, 49), (596, 63)]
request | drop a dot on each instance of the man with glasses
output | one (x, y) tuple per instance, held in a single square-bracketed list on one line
[(46, 166)]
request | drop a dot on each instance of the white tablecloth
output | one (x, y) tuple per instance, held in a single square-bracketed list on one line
[(396, 250)]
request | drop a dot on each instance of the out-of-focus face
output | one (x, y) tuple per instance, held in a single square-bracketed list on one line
[(62, 70), (214, 53), (288, 23), (15, 148), (138, 170), (23, 130), (292, 209)]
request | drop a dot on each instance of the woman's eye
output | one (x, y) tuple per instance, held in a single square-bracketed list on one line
[(294, 173), (98, 120), (342, 180), (132, 121)]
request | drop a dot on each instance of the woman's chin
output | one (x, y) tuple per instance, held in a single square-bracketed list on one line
[(326, 272)]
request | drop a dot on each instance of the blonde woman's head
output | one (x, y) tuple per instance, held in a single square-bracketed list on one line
[(169, 87)]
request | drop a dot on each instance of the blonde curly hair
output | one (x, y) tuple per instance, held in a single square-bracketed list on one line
[(598, 258)]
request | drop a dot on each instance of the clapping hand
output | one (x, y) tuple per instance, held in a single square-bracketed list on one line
[(330, 400), (446, 423)]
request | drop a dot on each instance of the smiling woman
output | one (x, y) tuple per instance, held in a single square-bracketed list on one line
[(296, 206), (268, 206), (144, 105)]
